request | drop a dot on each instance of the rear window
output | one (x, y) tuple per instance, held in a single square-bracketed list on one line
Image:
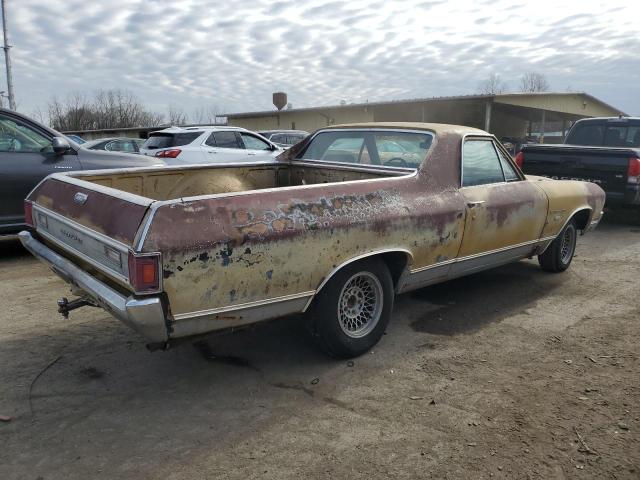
[(387, 148), (605, 135), (168, 140)]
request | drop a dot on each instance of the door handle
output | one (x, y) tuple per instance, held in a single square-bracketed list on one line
[(475, 203)]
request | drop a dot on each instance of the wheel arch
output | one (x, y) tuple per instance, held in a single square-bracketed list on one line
[(397, 260), (582, 217)]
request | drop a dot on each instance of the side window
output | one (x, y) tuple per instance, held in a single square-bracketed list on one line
[(480, 163), (225, 140), (211, 141), (254, 143), (510, 174), (18, 137)]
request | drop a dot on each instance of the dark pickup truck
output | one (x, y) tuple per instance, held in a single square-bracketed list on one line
[(605, 151)]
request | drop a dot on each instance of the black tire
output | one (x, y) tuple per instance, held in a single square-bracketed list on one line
[(557, 257), (345, 317)]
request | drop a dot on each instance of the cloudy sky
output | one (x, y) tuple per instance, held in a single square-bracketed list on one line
[(234, 54)]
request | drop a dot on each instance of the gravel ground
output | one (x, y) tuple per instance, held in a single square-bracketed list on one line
[(511, 373)]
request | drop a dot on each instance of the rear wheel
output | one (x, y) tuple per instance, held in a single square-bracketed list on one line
[(352, 311), (557, 257)]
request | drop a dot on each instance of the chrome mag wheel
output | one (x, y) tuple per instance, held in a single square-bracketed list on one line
[(360, 304)]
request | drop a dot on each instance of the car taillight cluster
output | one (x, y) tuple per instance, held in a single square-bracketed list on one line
[(144, 272), (633, 172), (28, 213), (520, 159), (171, 153)]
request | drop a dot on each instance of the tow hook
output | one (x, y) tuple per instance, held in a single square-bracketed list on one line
[(65, 306)]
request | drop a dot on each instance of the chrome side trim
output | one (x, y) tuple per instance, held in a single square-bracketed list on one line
[(479, 255), (449, 269), (112, 192), (145, 314), (145, 229), (355, 259), (241, 306), (204, 321)]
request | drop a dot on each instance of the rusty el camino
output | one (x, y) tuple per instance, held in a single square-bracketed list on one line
[(334, 228)]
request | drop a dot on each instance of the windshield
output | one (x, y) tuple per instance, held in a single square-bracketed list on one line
[(167, 140)]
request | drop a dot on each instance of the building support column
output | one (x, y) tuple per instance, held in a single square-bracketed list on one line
[(564, 129), (542, 125), (487, 116)]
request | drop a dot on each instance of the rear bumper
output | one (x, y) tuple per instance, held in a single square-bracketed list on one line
[(144, 314), (630, 196)]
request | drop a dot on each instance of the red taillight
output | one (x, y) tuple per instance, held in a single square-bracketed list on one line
[(172, 153), (28, 213), (633, 172), (520, 159), (144, 272)]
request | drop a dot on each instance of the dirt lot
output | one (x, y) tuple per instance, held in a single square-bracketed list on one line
[(513, 373)]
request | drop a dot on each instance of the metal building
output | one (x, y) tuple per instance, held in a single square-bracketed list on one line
[(508, 116)]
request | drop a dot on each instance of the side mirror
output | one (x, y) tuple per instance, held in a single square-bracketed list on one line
[(60, 145)]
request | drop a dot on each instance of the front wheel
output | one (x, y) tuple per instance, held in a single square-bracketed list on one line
[(557, 257), (352, 311)]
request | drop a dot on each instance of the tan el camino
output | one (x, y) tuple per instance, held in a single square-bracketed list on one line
[(334, 228)]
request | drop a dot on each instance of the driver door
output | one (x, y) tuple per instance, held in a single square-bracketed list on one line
[(505, 212), (26, 157)]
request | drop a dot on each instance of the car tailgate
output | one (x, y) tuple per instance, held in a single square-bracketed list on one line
[(95, 223), (606, 167)]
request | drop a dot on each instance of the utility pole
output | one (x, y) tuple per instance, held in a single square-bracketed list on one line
[(7, 58)]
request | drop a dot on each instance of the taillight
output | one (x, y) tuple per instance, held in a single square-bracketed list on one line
[(28, 213), (172, 153), (520, 158), (633, 172), (144, 272)]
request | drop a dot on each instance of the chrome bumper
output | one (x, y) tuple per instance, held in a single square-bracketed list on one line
[(145, 315)]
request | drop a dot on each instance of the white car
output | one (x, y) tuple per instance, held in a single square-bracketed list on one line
[(178, 146)]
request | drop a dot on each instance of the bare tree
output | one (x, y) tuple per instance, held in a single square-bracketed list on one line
[(208, 114), (176, 115), (106, 109), (534, 82), (492, 85)]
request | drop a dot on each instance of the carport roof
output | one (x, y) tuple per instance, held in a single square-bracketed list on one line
[(495, 98)]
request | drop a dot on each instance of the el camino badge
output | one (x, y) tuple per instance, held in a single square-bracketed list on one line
[(80, 198)]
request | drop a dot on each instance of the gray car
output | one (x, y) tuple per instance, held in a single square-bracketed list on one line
[(29, 151), (115, 144)]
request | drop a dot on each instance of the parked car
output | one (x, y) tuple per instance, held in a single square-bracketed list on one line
[(115, 144), (184, 251), (76, 138), (605, 151), (188, 145), (284, 138), (29, 151)]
